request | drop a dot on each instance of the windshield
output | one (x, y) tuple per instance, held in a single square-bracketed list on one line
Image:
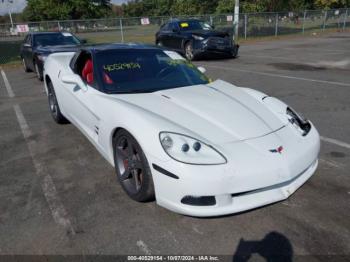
[(194, 25), (55, 39), (145, 70)]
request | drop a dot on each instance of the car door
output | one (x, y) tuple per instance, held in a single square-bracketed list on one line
[(163, 35), (175, 37), (79, 102)]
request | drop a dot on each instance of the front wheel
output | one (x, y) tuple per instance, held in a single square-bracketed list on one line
[(133, 171), (189, 51)]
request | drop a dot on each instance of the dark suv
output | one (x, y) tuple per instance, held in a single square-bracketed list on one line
[(194, 37)]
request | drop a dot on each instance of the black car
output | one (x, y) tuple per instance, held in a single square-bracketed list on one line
[(38, 45), (194, 37)]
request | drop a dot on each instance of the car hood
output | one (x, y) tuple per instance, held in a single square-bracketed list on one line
[(218, 112), (209, 33), (57, 49)]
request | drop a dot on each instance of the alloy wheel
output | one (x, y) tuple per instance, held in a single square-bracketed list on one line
[(37, 71), (53, 103), (130, 166), (189, 51)]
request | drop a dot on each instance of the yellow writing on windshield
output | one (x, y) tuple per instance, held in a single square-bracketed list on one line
[(121, 66), (183, 25)]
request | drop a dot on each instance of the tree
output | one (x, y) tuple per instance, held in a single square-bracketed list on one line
[(298, 5), (225, 6), (133, 8), (169, 7), (84, 9), (37, 10), (185, 7), (117, 10), (326, 4)]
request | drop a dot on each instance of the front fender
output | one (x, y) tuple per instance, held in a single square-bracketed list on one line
[(275, 105), (144, 125)]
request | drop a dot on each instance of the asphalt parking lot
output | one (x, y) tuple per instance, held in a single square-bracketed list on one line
[(59, 196)]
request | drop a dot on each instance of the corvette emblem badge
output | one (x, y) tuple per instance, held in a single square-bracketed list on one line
[(277, 150)]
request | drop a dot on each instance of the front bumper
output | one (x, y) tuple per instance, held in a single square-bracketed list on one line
[(215, 47), (251, 180)]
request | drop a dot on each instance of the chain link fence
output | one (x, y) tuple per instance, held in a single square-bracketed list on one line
[(143, 29)]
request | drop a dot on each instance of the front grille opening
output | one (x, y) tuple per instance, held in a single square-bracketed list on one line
[(199, 200)]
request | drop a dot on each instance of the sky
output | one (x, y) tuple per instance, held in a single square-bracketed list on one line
[(18, 5)]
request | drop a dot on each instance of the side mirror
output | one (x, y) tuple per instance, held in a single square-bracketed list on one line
[(74, 80), (202, 69), (175, 30), (83, 41)]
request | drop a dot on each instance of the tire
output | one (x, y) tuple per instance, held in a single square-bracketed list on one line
[(189, 51), (132, 169), (234, 53), (39, 74), (54, 107), (25, 67)]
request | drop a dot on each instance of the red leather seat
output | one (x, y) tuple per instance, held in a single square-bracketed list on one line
[(88, 72)]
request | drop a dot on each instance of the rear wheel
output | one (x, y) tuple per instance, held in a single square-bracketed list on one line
[(39, 74), (25, 67), (133, 171), (189, 51), (54, 107)]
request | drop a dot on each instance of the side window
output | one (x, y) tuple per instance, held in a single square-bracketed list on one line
[(174, 27), (166, 27), (85, 69)]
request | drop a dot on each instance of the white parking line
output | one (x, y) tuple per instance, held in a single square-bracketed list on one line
[(58, 211), (278, 75), (7, 84), (143, 247), (335, 142), (331, 163)]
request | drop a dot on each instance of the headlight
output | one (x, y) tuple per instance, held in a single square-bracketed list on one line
[(189, 150), (298, 121), (197, 37), (42, 57)]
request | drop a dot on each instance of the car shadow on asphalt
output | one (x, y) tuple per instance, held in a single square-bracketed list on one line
[(273, 247)]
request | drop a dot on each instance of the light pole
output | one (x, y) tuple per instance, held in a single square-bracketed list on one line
[(9, 10), (236, 19)]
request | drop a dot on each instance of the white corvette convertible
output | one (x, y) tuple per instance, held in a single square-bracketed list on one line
[(199, 147)]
